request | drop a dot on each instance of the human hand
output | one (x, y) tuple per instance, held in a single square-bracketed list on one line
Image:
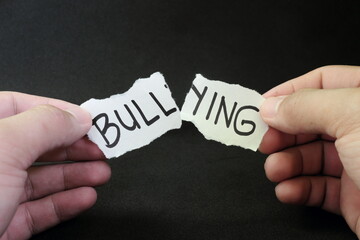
[(314, 141), (34, 198)]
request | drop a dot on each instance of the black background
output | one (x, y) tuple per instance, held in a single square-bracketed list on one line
[(180, 186)]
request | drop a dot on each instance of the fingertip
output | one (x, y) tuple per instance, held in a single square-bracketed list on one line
[(94, 150), (101, 173), (271, 93), (263, 144), (281, 192), (281, 166), (275, 140), (292, 192), (271, 168), (84, 149), (269, 108), (266, 144), (86, 198), (82, 116), (75, 201), (284, 192), (106, 172)]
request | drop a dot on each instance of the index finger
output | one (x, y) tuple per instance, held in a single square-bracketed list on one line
[(13, 103), (339, 76)]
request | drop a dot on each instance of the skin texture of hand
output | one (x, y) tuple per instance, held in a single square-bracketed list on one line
[(34, 198), (314, 141)]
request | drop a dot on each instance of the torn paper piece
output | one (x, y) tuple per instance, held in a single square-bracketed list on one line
[(133, 119), (223, 112)]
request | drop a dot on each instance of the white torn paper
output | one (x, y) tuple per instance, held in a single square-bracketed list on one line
[(227, 113), (128, 121)]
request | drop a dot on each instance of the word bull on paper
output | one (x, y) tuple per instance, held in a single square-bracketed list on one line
[(131, 120), (135, 123), (227, 113)]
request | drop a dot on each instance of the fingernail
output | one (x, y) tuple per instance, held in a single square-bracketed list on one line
[(81, 115), (270, 107)]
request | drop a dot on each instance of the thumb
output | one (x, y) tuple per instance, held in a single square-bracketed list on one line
[(26, 136), (334, 112)]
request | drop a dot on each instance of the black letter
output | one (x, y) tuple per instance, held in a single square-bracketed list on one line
[(245, 121), (167, 113), (103, 131), (211, 106), (135, 122), (227, 119), (200, 96), (147, 122)]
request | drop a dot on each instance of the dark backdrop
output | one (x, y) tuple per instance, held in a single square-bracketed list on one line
[(180, 186)]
